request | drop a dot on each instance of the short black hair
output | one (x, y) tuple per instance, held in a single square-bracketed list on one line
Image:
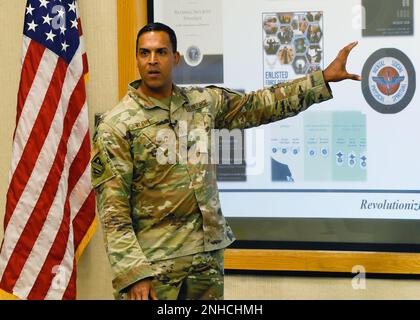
[(157, 26)]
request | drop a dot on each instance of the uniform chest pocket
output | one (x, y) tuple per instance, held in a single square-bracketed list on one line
[(152, 166), (150, 159), (144, 144), (202, 118)]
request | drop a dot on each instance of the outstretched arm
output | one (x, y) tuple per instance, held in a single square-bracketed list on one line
[(337, 71), (236, 110)]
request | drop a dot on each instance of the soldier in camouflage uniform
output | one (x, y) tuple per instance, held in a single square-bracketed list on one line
[(163, 227)]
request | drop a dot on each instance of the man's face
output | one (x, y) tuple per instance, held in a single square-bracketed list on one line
[(155, 60)]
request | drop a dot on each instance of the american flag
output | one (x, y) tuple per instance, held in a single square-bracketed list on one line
[(50, 205)]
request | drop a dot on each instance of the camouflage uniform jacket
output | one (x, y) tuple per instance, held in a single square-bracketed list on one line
[(152, 211)]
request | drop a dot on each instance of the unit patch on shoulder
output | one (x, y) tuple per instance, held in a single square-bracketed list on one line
[(100, 168)]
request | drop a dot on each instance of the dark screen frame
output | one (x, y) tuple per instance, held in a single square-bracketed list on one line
[(338, 234)]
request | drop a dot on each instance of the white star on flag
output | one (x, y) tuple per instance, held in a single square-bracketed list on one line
[(63, 29), (32, 26), (61, 13), (65, 46), (47, 19), (50, 36), (43, 3), (29, 10), (72, 7), (74, 23)]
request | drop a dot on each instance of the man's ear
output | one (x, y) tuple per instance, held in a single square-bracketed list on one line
[(177, 58)]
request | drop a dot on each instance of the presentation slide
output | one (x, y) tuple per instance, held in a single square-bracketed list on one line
[(355, 156)]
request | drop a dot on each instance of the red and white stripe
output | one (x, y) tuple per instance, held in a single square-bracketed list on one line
[(50, 203)]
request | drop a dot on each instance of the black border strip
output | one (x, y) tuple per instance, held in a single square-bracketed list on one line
[(321, 274), (320, 191), (329, 246), (150, 11)]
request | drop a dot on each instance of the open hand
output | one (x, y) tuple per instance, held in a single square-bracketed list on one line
[(336, 71)]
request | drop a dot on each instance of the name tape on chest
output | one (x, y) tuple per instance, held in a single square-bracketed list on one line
[(143, 124), (196, 106)]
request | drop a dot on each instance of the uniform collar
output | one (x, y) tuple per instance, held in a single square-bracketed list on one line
[(179, 98)]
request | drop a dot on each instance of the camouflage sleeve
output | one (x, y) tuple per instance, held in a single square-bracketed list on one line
[(112, 168), (241, 111)]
